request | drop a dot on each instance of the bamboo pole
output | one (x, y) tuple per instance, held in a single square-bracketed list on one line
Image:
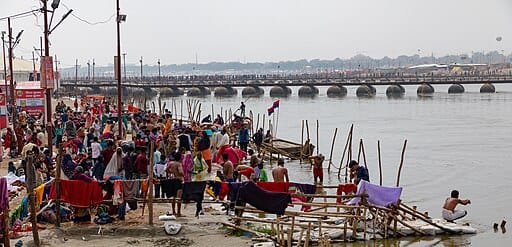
[(349, 153), (263, 125), (258, 123), (213, 113), (292, 228), (57, 184), (307, 131), (300, 236), (332, 149), (181, 107), (401, 164), (150, 173), (31, 182), (424, 219), (344, 152), (308, 234), (317, 137), (364, 154), (302, 141), (359, 149), (380, 163)]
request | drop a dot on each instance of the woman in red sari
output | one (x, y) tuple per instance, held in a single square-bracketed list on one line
[(20, 138)]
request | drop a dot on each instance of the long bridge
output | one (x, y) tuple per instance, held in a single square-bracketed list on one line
[(224, 85)]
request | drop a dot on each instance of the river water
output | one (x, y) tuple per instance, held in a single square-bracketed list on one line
[(461, 142)]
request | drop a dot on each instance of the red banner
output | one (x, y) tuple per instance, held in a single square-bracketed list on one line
[(47, 74), (3, 111)]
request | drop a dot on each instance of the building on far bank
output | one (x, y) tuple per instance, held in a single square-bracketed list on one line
[(22, 69)]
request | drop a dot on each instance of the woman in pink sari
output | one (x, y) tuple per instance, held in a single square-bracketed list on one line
[(188, 166)]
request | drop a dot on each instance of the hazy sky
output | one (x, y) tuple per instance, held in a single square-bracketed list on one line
[(267, 30)]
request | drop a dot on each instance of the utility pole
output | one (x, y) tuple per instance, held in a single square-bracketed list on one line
[(5, 66), (41, 44), (33, 63), (48, 89), (124, 65), (11, 73), (140, 68), (57, 76), (76, 73), (118, 69)]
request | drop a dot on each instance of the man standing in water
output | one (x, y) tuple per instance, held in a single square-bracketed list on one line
[(449, 212), (280, 173), (318, 171)]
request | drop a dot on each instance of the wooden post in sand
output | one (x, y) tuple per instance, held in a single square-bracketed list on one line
[(380, 163), (57, 185), (150, 177), (31, 182), (401, 164), (332, 149)]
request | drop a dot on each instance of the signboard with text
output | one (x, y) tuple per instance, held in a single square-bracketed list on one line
[(30, 97)]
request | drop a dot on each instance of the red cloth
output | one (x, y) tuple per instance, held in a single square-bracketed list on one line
[(247, 172), (141, 164), (299, 198), (78, 193), (275, 186), (345, 188), (224, 190)]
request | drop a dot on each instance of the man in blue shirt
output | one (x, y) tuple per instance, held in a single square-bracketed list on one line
[(358, 173), (243, 137)]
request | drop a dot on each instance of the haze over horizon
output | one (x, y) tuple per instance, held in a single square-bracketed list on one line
[(265, 31)]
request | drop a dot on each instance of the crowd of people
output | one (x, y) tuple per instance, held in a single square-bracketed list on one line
[(88, 133)]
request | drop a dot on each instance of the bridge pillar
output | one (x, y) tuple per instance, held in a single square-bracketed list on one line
[(308, 91), (395, 91), (198, 92), (224, 92), (366, 91), (425, 89), (280, 91), (487, 88), (96, 90), (456, 88), (150, 93), (336, 91), (252, 91), (205, 91)]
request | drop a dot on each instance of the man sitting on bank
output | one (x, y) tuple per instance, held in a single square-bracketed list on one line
[(449, 212)]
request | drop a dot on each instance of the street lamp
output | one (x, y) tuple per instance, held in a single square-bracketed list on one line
[(119, 18), (88, 69), (159, 78), (93, 74), (140, 68)]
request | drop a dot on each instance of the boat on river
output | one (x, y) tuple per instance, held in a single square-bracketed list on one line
[(288, 149)]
